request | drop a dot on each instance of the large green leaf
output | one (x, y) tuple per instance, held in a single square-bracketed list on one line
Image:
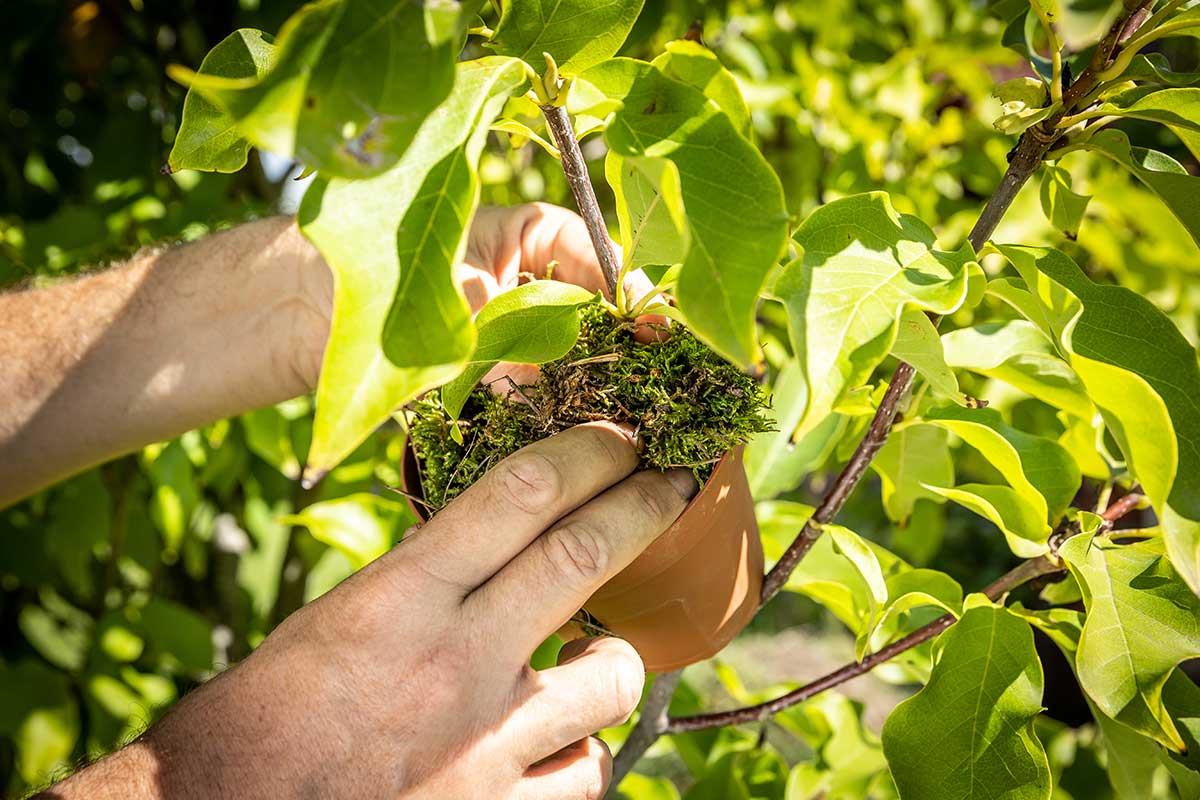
[(735, 214), (1019, 354), (969, 732), (40, 715), (400, 324), (340, 95), (863, 264), (1179, 108), (577, 33), (696, 65), (1142, 375), (531, 324), (1162, 174), (1042, 476), (208, 138), (914, 457), (363, 526), (1132, 757), (848, 760), (1142, 620)]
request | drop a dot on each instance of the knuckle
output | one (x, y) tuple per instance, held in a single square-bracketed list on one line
[(529, 481), (576, 552), (650, 497)]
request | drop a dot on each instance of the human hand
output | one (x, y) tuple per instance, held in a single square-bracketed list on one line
[(412, 678)]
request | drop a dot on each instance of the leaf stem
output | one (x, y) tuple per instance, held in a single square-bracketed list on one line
[(575, 168)]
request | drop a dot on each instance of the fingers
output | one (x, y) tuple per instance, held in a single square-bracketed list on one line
[(496, 518), (544, 585), (581, 771), (597, 685)]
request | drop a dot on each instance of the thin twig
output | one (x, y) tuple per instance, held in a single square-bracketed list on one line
[(575, 169), (1023, 573)]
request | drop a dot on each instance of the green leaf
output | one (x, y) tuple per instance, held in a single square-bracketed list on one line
[(1160, 173), (177, 635), (641, 787), (1142, 375), (531, 324), (1132, 757), (917, 343), (39, 714), (735, 214), (694, 64), (1019, 354), (400, 324), (1023, 103), (269, 436), (848, 758), (774, 463), (340, 96), (1062, 206), (914, 457), (969, 732), (1154, 68), (906, 592), (1179, 108), (363, 526), (1042, 475), (577, 33), (1141, 622), (650, 212), (208, 138), (863, 264)]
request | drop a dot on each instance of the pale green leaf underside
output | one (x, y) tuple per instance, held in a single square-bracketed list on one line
[(1061, 205), (362, 526), (1142, 375), (1019, 354), (913, 457), (531, 324), (208, 138), (400, 324), (862, 265), (917, 342), (340, 95), (1175, 107), (969, 733), (1141, 621)]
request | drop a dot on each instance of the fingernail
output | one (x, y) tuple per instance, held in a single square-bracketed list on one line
[(630, 433), (684, 482)]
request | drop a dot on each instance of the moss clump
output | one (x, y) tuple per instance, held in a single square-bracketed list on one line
[(688, 405)]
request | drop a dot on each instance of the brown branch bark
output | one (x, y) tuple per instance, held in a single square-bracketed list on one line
[(1021, 574), (575, 168)]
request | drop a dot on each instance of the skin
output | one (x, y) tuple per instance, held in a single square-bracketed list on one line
[(412, 678)]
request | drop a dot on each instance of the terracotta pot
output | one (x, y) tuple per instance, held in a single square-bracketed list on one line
[(691, 591)]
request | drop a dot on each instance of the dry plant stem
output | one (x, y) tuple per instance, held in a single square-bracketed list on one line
[(650, 726), (1019, 575), (575, 169)]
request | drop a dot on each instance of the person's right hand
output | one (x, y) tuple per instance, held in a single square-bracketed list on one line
[(412, 679)]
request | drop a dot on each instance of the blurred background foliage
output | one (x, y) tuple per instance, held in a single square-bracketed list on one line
[(124, 587)]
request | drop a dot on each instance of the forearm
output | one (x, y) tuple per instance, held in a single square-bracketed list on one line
[(171, 340)]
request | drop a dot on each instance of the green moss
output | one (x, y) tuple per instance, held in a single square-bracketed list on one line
[(688, 405)]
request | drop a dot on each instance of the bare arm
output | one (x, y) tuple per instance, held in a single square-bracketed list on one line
[(173, 339)]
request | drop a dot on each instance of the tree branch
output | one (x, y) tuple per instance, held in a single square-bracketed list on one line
[(574, 167), (1021, 574)]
